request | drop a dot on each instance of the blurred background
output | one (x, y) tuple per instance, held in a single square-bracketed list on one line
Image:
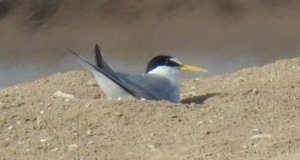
[(220, 35)]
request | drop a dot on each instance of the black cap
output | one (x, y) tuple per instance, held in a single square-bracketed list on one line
[(162, 60)]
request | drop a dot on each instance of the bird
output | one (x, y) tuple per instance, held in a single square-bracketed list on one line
[(159, 82)]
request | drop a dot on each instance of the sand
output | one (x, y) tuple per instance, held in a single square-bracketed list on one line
[(250, 114)]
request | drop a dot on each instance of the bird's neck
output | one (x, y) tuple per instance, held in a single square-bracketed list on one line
[(165, 71)]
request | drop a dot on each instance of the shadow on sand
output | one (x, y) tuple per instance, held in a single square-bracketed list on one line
[(199, 99)]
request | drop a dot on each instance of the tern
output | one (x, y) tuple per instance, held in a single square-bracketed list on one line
[(159, 82)]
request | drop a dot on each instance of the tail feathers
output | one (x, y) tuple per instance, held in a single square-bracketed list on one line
[(98, 56), (100, 62), (108, 72)]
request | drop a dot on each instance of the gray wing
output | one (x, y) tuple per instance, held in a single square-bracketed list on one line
[(152, 87)]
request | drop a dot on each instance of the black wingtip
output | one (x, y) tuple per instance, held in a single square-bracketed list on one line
[(98, 56), (97, 46)]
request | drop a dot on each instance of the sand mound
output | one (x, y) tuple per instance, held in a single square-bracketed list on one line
[(250, 114)]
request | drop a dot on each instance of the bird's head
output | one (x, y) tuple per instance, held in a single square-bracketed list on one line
[(169, 66)]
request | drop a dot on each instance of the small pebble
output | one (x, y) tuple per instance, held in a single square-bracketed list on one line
[(62, 94), (38, 120), (73, 147), (88, 132), (261, 136), (54, 150), (118, 114), (91, 142), (255, 91), (91, 83), (88, 105), (256, 131), (43, 140), (151, 147), (245, 147), (28, 150)]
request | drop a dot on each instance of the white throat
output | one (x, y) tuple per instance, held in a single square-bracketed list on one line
[(169, 72)]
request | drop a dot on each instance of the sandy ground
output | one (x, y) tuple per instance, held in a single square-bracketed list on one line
[(250, 114)]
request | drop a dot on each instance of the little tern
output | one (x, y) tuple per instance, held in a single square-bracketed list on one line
[(159, 82)]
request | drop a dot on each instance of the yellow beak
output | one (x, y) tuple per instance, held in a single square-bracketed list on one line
[(192, 68)]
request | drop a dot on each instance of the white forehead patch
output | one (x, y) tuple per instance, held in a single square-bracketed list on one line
[(176, 60)]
